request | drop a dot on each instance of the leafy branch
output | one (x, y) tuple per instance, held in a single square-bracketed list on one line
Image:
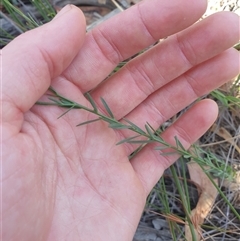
[(210, 164), (208, 161)]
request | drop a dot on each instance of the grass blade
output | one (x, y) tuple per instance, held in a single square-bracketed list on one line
[(17, 14), (45, 9)]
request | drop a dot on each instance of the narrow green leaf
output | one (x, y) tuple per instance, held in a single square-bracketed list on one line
[(66, 102), (187, 156), (118, 125), (63, 102), (160, 148), (160, 140), (149, 131), (156, 134), (135, 152), (179, 144), (135, 127), (220, 96), (237, 46), (107, 108), (168, 153), (66, 112), (140, 141), (153, 130), (46, 103), (55, 100), (107, 119), (127, 139), (92, 102), (88, 122), (51, 89), (196, 151)]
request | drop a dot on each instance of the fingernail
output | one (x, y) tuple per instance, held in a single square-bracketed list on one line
[(63, 11)]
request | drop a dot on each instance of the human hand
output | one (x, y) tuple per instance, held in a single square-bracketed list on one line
[(62, 182)]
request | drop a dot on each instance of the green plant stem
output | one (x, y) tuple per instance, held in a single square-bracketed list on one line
[(217, 167)]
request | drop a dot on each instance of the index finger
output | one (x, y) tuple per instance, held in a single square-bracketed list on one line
[(128, 33)]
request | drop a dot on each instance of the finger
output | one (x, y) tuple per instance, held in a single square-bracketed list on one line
[(172, 98), (178, 94), (128, 33), (149, 164), (33, 59), (168, 60)]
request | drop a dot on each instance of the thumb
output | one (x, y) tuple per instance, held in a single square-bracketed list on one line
[(33, 59)]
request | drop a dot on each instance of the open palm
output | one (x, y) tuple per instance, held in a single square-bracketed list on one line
[(62, 182)]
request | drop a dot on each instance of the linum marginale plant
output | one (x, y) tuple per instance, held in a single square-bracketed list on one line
[(214, 166), (22, 21)]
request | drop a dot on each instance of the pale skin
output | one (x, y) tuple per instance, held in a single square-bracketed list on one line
[(62, 182)]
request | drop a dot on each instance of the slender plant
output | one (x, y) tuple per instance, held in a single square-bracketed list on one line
[(214, 166)]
